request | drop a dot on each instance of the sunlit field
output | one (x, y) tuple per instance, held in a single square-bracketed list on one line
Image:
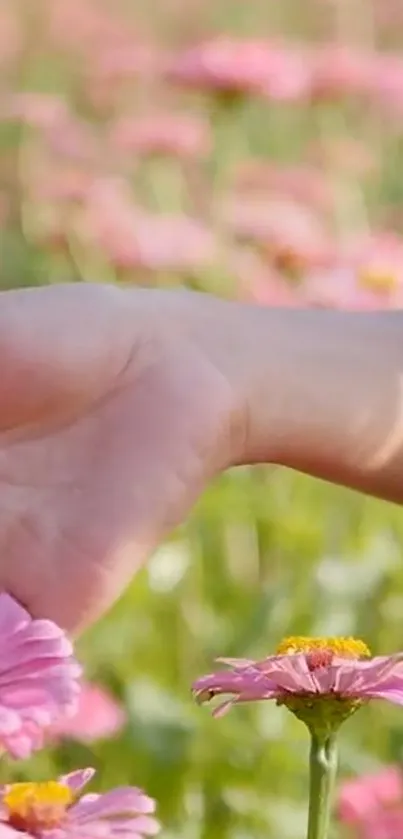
[(253, 150)]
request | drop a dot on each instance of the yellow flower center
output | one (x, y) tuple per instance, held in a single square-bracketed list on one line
[(382, 281), (343, 647), (33, 807), (322, 712)]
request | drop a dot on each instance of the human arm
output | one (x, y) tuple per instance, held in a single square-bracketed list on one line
[(322, 392), (117, 407)]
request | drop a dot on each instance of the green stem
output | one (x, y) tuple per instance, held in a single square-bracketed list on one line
[(323, 767)]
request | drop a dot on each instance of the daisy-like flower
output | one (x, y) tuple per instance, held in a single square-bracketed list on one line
[(55, 810), (98, 716), (363, 799), (321, 680), (38, 678)]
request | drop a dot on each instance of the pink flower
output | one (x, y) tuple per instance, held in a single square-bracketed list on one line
[(362, 798), (291, 234), (232, 66), (65, 133), (337, 288), (38, 678), (52, 810), (181, 136), (38, 110), (122, 62), (260, 283), (59, 184), (387, 88), (85, 27), (304, 184), (305, 674), (367, 275), (387, 824), (341, 70), (134, 239), (98, 715)]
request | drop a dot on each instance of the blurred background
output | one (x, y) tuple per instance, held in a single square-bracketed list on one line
[(253, 149)]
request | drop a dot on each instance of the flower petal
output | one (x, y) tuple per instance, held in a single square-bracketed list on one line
[(290, 672), (115, 803), (38, 677), (237, 663), (78, 779), (13, 616)]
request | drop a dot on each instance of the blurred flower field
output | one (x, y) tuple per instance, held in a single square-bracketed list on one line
[(254, 150)]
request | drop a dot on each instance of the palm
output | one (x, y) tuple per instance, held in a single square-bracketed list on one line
[(107, 435)]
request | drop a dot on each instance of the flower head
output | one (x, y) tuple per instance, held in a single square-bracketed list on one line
[(177, 135), (242, 67), (321, 680), (54, 810), (98, 715), (286, 232), (38, 678), (363, 798)]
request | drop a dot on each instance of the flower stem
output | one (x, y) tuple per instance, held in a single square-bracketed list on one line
[(323, 767)]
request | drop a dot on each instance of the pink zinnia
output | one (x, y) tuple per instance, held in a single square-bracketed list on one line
[(98, 716), (288, 232), (51, 810), (309, 675), (303, 184), (134, 239), (261, 283), (176, 135), (342, 70), (363, 798), (387, 824), (234, 66), (338, 288), (38, 677), (368, 275)]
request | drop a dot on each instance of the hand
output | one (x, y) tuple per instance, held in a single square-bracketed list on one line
[(112, 419), (117, 407)]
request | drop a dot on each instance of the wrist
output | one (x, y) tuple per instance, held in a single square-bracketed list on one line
[(314, 390), (257, 352), (252, 348), (320, 392)]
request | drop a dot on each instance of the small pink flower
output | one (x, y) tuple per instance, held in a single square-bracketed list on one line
[(175, 135), (54, 810), (361, 798), (38, 110), (387, 824), (337, 287), (291, 234), (366, 275), (231, 66), (304, 184), (38, 678), (85, 27), (98, 715), (260, 283), (308, 669), (134, 239), (341, 70), (59, 184), (120, 62), (387, 87)]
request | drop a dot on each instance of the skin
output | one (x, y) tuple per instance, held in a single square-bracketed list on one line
[(118, 407)]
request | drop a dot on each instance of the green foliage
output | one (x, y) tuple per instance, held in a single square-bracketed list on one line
[(265, 554)]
